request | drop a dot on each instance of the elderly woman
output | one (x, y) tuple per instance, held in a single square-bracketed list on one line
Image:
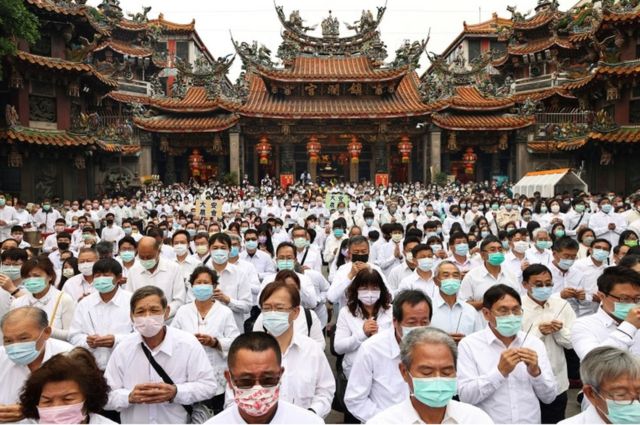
[(611, 379), (68, 389)]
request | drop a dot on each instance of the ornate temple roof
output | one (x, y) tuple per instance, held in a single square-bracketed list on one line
[(536, 21), (68, 10), (482, 122), (46, 137), (186, 124), (125, 48), (196, 99), (122, 97), (624, 134), (487, 27), (562, 91), (469, 98), (533, 46), (543, 146), (166, 26)]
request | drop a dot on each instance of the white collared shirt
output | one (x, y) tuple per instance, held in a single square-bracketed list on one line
[(600, 221), (301, 326), (350, 334), (555, 308), (599, 330), (220, 324), (95, 317), (514, 265), (61, 322), (312, 259), (511, 399), (397, 275), (183, 359), (416, 282), (461, 318), (261, 261), (232, 282), (341, 281), (308, 295), (13, 376), (588, 416), (167, 276), (478, 280), (533, 256), (456, 413), (584, 275), (286, 413), (375, 381), (77, 287), (468, 264), (187, 266), (251, 275)]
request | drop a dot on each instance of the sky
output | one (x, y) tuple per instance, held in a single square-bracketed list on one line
[(250, 20)]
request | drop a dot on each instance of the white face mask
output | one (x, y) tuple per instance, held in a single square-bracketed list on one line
[(149, 326), (86, 268), (181, 249)]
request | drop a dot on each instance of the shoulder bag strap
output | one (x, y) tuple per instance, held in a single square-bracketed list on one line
[(55, 309)]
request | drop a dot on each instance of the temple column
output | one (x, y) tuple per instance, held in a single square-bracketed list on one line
[(436, 149), (426, 175), (287, 162), (145, 160), (495, 164), (353, 171), (170, 171), (312, 166), (381, 161), (522, 155), (234, 155)]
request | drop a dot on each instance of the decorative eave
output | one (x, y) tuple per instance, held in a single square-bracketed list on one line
[(621, 69), (118, 148), (474, 122), (623, 134), (562, 91), (124, 49), (128, 98), (537, 21), (629, 17), (534, 47), (57, 64), (487, 27), (197, 124), (468, 98), (57, 138), (166, 26), (195, 100), (68, 10), (551, 146)]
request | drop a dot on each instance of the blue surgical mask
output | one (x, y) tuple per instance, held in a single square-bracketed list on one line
[(234, 252), (606, 208), (23, 353), (191, 232), (369, 221), (286, 264), (462, 249), (275, 322), (103, 284), (495, 258), (251, 245), (338, 233), (623, 413), (12, 272), (621, 310), (148, 264), (541, 294), (202, 292), (425, 264), (434, 392), (565, 264), (35, 285), (127, 256), (508, 326), (600, 254), (406, 330), (544, 244), (450, 286), (220, 256)]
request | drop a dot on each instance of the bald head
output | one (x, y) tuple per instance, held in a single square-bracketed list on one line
[(147, 242)]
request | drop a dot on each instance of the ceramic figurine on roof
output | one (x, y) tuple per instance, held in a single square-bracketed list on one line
[(409, 53), (140, 16), (330, 26), (296, 21), (111, 9)]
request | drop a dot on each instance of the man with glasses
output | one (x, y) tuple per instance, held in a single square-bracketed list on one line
[(503, 369), (611, 380), (617, 320), (490, 273), (253, 373)]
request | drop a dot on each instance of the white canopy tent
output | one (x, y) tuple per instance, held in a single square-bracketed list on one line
[(549, 183)]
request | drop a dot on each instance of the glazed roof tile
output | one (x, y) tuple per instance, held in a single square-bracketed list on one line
[(128, 98), (200, 124), (124, 48), (118, 148), (625, 134), (46, 137), (562, 91), (482, 122), (64, 65), (536, 21), (555, 146), (469, 98), (167, 26), (488, 27), (196, 99)]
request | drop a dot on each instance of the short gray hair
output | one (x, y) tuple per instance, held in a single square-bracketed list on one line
[(234, 237), (538, 230), (35, 313), (606, 363), (436, 272), (427, 335)]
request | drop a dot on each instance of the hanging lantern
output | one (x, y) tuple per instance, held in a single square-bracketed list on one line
[(263, 148), (313, 149), (354, 149), (405, 146), (469, 160), (196, 160)]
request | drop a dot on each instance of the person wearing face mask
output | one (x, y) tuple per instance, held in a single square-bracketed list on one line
[(81, 285), (50, 242), (551, 321), (390, 255), (187, 263), (476, 282), (213, 325), (428, 367), (585, 239), (583, 280), (333, 241), (68, 389), (307, 255), (606, 223), (38, 277), (10, 279), (454, 217), (255, 377), (450, 314), (127, 249), (406, 268), (562, 268), (577, 218), (250, 273), (261, 260), (540, 252), (611, 378), (508, 213), (459, 247), (102, 319), (233, 290), (27, 345), (375, 382), (502, 369), (617, 320), (156, 373), (152, 269), (515, 260), (17, 233), (422, 277), (47, 216)]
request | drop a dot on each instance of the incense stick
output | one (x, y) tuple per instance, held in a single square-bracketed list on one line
[(558, 314), (459, 319), (525, 337)]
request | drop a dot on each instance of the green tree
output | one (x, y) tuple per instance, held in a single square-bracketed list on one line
[(15, 22)]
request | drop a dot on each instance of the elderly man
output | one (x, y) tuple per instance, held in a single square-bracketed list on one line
[(254, 365), (375, 382), (611, 382), (80, 285), (157, 371), (27, 345), (429, 368), (155, 270), (540, 252)]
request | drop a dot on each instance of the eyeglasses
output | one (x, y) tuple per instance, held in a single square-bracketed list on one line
[(621, 398), (267, 381), (493, 250), (278, 308), (505, 312), (626, 300)]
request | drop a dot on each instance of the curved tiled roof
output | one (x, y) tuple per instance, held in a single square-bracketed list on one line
[(200, 124), (539, 146), (196, 99), (469, 98), (534, 46), (629, 17), (619, 69), (168, 26), (46, 137), (488, 27), (344, 69), (482, 122), (119, 96), (625, 134), (124, 48), (404, 102), (562, 91), (536, 21), (64, 65), (118, 148)]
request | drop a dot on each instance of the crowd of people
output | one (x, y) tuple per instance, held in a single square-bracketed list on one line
[(400, 304)]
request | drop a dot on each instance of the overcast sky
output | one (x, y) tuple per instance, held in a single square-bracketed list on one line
[(257, 20)]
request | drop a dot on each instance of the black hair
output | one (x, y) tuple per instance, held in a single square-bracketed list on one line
[(107, 265), (535, 269), (565, 242), (612, 276), (498, 292), (257, 342), (220, 237), (127, 239), (411, 297), (629, 261)]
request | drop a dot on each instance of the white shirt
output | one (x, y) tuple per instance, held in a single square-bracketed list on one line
[(456, 413), (416, 282), (589, 416), (13, 376), (397, 275), (321, 286), (533, 256), (584, 275), (95, 317), (514, 265), (261, 261), (232, 283), (300, 325), (77, 287), (183, 359), (478, 280), (385, 257), (600, 329), (341, 281), (350, 334), (220, 324), (375, 382), (308, 295), (167, 276), (554, 309), (9, 216), (600, 221), (61, 322), (286, 413), (113, 234), (313, 259), (187, 266), (46, 218), (511, 399), (461, 318)]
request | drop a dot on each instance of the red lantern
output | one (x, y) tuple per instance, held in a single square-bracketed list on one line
[(263, 148), (313, 149), (405, 146), (469, 159), (354, 149), (196, 160)]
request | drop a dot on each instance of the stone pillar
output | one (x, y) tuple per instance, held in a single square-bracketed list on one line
[(495, 164), (312, 166), (145, 159), (523, 163), (426, 175), (436, 149), (353, 171), (380, 156), (234, 155), (287, 163), (170, 170)]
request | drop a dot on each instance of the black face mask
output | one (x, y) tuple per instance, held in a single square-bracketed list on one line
[(63, 246), (109, 222), (363, 258)]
